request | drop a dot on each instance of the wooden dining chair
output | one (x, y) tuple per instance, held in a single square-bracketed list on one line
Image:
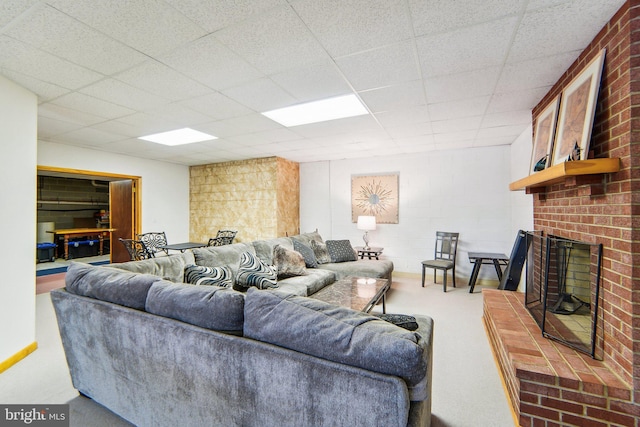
[(444, 258)]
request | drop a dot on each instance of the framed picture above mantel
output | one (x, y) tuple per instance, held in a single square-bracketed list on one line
[(577, 109), (375, 195), (544, 132)]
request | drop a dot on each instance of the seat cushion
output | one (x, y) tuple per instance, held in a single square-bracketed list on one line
[(170, 268), (438, 263)]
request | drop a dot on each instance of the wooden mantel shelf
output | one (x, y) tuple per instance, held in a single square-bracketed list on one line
[(560, 172)]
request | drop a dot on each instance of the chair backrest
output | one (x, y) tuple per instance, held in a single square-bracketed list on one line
[(137, 249), (153, 241), (224, 237), (446, 245)]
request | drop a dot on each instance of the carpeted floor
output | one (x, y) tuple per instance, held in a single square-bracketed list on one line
[(467, 390)]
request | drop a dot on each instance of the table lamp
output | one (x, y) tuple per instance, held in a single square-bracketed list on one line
[(366, 223)]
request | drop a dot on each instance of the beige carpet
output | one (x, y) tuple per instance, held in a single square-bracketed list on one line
[(467, 390)]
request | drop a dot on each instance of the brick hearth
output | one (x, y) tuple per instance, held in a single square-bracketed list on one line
[(548, 383)]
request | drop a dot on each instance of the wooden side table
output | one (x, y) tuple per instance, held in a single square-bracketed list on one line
[(370, 253)]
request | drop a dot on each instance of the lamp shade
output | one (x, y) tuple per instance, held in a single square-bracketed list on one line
[(366, 223)]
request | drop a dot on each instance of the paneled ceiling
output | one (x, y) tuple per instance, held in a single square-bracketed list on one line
[(434, 74)]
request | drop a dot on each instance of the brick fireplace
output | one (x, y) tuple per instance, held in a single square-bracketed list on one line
[(548, 383)]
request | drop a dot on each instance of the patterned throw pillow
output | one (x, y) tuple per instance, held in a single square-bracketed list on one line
[(288, 263), (340, 251), (253, 272), (201, 275), (404, 321), (310, 260), (320, 251)]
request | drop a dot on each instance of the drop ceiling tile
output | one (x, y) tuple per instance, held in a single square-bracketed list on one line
[(48, 127), (517, 100), (456, 86), (384, 66), (501, 131), (65, 37), (261, 95), (403, 117), (319, 80), (467, 49), (211, 63), (534, 73), (213, 16), (140, 124), (465, 136), (12, 9), (331, 128), (496, 140), (149, 26), (239, 125), (404, 95), (522, 117), (348, 27), (267, 136), (557, 29), (22, 58), (181, 115), (70, 115), (455, 125), (459, 109), (45, 91), (217, 106), (436, 16), (273, 42), (118, 93), (414, 129), (87, 137), (161, 80)]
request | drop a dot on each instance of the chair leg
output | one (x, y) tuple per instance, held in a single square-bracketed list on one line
[(423, 269), (444, 283), (454, 277), (434, 275)]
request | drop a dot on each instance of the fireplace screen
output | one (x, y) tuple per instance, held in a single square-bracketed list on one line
[(562, 291)]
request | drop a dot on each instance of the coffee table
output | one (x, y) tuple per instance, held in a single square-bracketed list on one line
[(357, 293)]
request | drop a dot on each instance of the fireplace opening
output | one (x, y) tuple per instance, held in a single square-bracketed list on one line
[(563, 288)]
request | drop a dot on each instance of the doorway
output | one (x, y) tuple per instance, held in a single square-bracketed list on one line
[(119, 210)]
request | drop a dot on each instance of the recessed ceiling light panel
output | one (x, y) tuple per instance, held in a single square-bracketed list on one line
[(178, 137), (318, 111)]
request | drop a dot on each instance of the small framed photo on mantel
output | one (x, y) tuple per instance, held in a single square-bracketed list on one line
[(544, 134), (577, 110)]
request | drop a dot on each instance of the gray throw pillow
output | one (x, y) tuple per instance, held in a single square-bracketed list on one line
[(310, 260), (320, 251), (212, 276), (336, 333), (253, 272), (288, 263), (341, 251)]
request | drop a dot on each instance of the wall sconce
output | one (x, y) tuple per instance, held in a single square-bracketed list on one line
[(366, 223)]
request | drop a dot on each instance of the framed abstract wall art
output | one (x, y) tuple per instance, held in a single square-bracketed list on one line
[(375, 195), (577, 110), (543, 141)]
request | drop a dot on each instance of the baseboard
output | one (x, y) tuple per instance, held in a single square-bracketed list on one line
[(6, 364)]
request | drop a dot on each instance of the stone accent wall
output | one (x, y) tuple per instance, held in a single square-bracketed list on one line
[(260, 198), (573, 389)]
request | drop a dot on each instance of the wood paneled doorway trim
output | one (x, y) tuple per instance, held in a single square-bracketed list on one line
[(130, 220)]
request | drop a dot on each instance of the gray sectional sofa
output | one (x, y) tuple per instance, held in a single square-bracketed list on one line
[(160, 352)]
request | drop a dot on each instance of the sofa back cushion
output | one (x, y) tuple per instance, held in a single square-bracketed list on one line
[(211, 307), (109, 284), (220, 256), (336, 333), (170, 268)]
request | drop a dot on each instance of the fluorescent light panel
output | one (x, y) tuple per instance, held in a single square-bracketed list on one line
[(178, 137), (318, 111)]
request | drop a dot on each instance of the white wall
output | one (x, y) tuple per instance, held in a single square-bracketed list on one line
[(459, 190), (165, 186), (18, 133)]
